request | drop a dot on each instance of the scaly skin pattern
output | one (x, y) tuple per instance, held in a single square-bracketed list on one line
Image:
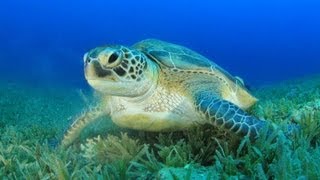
[(226, 115)]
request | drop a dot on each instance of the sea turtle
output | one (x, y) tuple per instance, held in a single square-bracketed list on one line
[(159, 86)]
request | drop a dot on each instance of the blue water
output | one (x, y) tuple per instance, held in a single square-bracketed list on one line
[(260, 41)]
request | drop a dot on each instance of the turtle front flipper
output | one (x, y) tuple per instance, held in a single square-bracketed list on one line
[(224, 114), (80, 124)]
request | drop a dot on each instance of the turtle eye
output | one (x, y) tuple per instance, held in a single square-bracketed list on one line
[(113, 59)]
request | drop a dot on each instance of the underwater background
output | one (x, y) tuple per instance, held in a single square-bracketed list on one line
[(260, 41), (272, 45)]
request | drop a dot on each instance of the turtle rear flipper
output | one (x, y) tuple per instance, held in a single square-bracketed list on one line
[(224, 114)]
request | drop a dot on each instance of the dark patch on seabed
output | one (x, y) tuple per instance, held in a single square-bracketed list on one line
[(33, 120)]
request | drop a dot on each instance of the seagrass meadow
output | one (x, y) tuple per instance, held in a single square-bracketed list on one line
[(33, 120)]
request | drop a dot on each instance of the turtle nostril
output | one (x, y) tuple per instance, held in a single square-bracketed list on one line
[(88, 60)]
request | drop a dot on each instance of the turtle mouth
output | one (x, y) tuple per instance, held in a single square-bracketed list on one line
[(100, 71), (95, 71)]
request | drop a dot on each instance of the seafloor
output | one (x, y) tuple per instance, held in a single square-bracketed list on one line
[(33, 120)]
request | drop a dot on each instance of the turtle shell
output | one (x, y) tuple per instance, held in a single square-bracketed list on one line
[(179, 57)]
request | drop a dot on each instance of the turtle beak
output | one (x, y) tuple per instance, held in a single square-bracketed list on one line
[(93, 68)]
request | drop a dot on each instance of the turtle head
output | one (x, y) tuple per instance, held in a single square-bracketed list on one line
[(119, 71)]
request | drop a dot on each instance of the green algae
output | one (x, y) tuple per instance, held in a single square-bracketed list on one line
[(33, 120)]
